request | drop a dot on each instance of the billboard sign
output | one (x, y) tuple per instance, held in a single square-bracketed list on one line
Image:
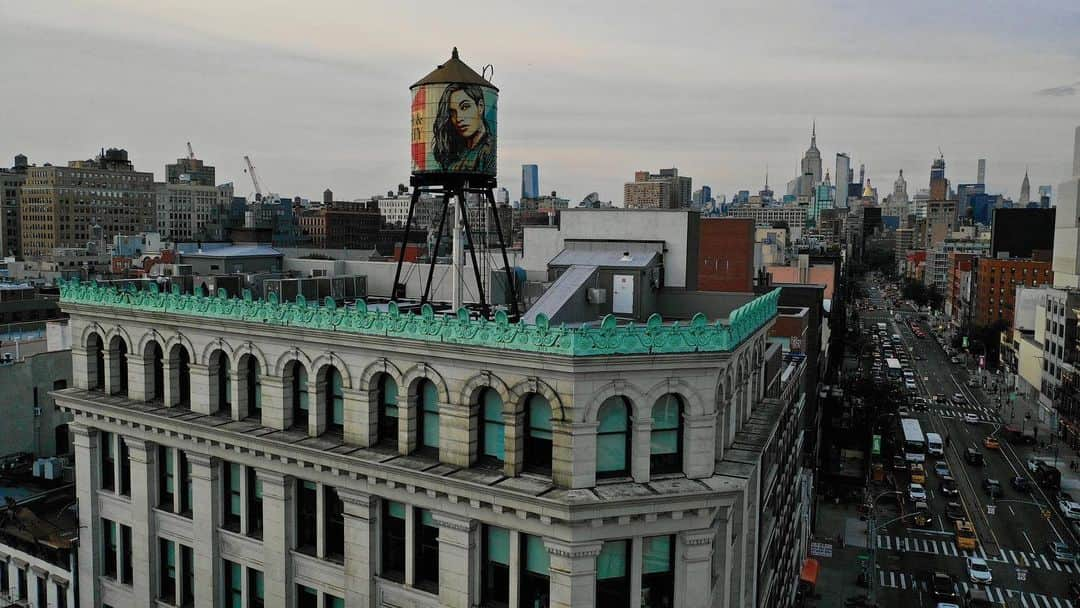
[(453, 129)]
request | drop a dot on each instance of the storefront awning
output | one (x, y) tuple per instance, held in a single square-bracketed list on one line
[(810, 569)]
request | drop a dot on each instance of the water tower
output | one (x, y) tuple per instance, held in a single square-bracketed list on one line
[(453, 140)]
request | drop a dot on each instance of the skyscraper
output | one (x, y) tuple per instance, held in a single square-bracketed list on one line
[(939, 186), (810, 167), (530, 181), (843, 171), (1025, 190), (981, 178), (900, 189)]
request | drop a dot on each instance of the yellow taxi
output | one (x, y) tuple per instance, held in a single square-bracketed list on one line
[(965, 535), (991, 443), (918, 473)]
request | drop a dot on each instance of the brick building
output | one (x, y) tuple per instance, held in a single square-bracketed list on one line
[(726, 255), (996, 283)]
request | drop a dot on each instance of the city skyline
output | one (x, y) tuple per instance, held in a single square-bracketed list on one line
[(321, 110)]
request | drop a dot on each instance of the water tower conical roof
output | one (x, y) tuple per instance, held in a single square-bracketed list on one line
[(454, 70)]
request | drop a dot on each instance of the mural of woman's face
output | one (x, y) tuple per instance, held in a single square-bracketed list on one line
[(467, 115)]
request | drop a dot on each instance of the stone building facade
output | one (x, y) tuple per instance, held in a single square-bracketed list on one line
[(254, 453)]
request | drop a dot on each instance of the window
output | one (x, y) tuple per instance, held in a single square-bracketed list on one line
[(24, 593), (388, 410), (393, 541), (306, 597), (496, 567), (335, 401), (493, 429), (254, 504), (613, 574), (657, 573), (110, 548), (166, 479), (224, 383), (307, 516), (254, 387), (334, 533), (95, 347), (538, 435), (125, 467), (126, 570), (535, 578), (299, 395), (39, 583), (426, 551), (232, 485), (185, 482), (167, 573), (665, 443), (427, 428), (234, 580), (332, 601), (187, 566), (256, 595), (183, 370), (108, 461), (613, 439)]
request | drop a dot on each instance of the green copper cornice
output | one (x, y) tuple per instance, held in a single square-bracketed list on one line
[(605, 338)]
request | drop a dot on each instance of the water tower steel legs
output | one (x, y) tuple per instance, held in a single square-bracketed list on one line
[(404, 244), (502, 248), (433, 256), (472, 250)]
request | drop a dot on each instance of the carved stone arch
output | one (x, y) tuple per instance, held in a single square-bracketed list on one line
[(119, 332), (339, 364), (149, 336), (250, 348), (640, 408), (215, 345), (534, 385), (470, 390), (424, 371), (293, 354), (692, 399), (182, 340), (93, 328), (381, 365), (722, 387)]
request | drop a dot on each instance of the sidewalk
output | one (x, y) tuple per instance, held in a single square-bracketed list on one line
[(1056, 449), (840, 526)]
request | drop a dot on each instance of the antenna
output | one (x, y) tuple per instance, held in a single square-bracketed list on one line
[(940, 153), (190, 152)]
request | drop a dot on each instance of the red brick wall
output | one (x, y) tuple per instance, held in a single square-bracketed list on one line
[(996, 287), (726, 255)]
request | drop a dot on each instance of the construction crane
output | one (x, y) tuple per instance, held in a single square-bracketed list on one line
[(250, 170), (190, 152)]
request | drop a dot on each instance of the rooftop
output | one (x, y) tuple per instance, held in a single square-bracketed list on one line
[(237, 251), (606, 337)]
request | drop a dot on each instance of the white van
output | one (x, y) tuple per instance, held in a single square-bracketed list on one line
[(934, 446)]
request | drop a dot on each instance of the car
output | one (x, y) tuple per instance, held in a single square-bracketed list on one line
[(944, 587), (949, 487), (1070, 509), (941, 468), (1020, 484), (1061, 552), (940, 398), (959, 398), (973, 457), (1033, 464), (992, 487), (979, 571), (916, 492), (903, 412), (923, 517), (899, 463), (972, 383), (918, 357), (954, 359), (971, 418), (954, 511), (991, 443)]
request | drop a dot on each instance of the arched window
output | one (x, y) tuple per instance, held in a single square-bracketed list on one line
[(157, 358), (253, 385), (538, 435), (219, 367), (492, 427), (427, 416), (97, 351), (334, 398), (298, 397), (119, 359), (388, 410), (613, 438), (665, 445), (182, 362)]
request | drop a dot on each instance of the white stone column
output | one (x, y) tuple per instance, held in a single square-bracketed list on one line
[(695, 549), (361, 512), (569, 439), (171, 377), (640, 442), (458, 560), (86, 484), (635, 565), (82, 368), (573, 572), (203, 389), (457, 435), (276, 413), (112, 372), (318, 417), (277, 537), (53, 588), (407, 420), (358, 427), (206, 517), (698, 445), (143, 456), (514, 443), (238, 397), (515, 567), (140, 378), (410, 547)]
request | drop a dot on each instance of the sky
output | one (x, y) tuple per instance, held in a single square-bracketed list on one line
[(317, 93)]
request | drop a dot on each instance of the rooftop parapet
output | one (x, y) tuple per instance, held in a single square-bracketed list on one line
[(607, 338)]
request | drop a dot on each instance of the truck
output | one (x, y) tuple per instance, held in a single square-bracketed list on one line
[(1047, 476), (1016, 435)]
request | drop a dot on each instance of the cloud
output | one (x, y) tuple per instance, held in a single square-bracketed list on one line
[(1065, 90)]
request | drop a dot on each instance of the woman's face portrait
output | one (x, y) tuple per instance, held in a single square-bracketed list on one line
[(466, 115)]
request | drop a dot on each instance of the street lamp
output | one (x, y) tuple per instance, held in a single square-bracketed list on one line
[(872, 540)]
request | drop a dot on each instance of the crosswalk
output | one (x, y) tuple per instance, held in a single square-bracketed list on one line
[(947, 547), (985, 414), (892, 579)]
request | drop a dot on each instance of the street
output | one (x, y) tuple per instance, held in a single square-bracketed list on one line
[(1014, 530)]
